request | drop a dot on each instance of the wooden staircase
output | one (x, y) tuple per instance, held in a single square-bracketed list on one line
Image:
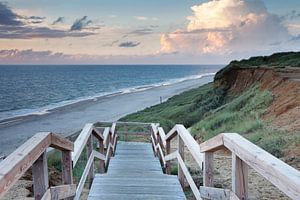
[(128, 170), (135, 173)]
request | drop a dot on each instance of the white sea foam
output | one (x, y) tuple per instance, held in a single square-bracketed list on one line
[(5, 116)]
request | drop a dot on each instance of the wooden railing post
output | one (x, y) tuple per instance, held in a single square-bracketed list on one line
[(208, 169), (40, 176), (67, 169), (181, 153), (239, 177), (101, 162), (89, 150), (168, 151)]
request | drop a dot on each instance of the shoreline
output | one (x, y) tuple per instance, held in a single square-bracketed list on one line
[(69, 104), (69, 119)]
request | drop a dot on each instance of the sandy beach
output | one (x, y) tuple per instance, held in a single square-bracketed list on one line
[(69, 119)]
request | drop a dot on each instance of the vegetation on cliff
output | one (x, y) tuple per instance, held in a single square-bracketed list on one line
[(277, 61), (212, 109)]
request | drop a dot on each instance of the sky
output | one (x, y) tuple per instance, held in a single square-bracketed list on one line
[(145, 32)]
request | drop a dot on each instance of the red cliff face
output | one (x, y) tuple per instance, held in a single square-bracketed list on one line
[(284, 112)]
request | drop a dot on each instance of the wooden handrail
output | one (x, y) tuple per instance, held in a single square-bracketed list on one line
[(81, 141), (31, 153), (283, 176), (244, 153), (106, 140), (106, 136), (162, 135), (188, 140), (184, 139)]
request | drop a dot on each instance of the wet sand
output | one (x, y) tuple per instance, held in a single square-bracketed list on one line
[(69, 119)]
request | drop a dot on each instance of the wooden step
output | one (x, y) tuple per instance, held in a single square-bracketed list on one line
[(135, 173)]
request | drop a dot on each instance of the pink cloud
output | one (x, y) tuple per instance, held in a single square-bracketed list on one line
[(223, 27)]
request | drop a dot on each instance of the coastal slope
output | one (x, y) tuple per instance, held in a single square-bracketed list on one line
[(258, 98)]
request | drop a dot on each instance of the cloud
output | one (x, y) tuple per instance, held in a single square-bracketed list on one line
[(15, 26), (129, 44), (28, 32), (145, 31), (36, 17), (7, 16), (224, 27), (80, 24), (59, 20), (30, 56), (141, 18), (111, 43), (291, 16)]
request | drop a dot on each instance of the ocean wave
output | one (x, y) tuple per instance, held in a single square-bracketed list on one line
[(11, 115)]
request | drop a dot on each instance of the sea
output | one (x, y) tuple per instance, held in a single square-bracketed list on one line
[(37, 89)]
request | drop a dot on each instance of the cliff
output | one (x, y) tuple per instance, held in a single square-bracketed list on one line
[(281, 77)]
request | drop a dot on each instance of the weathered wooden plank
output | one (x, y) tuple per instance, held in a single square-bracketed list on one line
[(40, 176), (191, 144), (114, 145), (283, 176), (208, 169), (47, 195), (154, 131), (138, 189), (17, 163), (67, 169), (181, 155), (81, 141), (168, 151), (136, 196), (62, 191), (99, 155), (134, 172), (212, 144), (171, 134), (66, 160), (161, 154), (97, 132), (113, 129), (233, 196), (239, 177), (106, 137), (84, 176), (171, 156), (89, 152), (108, 154), (189, 178), (212, 193), (154, 145), (61, 143), (162, 136)]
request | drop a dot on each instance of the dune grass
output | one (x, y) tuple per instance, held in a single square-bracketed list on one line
[(187, 108), (208, 111)]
